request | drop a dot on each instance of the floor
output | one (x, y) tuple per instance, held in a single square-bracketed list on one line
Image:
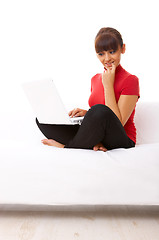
[(96, 223)]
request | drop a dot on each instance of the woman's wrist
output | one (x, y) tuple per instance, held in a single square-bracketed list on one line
[(108, 87)]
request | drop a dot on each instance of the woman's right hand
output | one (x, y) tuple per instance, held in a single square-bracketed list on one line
[(77, 112)]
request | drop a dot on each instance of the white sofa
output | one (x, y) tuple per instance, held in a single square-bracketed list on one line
[(32, 174)]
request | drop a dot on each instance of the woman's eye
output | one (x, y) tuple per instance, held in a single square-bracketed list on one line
[(100, 54), (112, 52)]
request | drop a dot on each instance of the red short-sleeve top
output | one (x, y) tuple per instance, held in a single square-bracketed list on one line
[(124, 84)]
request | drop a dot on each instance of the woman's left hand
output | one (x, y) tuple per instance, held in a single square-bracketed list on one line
[(108, 76)]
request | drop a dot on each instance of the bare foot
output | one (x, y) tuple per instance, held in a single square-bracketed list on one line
[(51, 142), (100, 147)]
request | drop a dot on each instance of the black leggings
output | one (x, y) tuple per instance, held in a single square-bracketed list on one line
[(100, 125)]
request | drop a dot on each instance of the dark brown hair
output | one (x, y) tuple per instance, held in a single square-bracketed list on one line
[(108, 39)]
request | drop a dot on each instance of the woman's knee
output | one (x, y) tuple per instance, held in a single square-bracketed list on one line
[(100, 111), (99, 107)]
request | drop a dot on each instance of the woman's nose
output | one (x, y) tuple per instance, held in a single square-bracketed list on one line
[(107, 57)]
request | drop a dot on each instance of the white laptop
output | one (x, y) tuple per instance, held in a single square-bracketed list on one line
[(47, 104)]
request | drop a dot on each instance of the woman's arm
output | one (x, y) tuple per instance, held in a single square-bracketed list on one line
[(126, 103)]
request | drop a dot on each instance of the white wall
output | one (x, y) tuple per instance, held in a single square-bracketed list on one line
[(55, 39)]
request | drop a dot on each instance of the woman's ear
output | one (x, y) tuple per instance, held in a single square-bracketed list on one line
[(123, 49)]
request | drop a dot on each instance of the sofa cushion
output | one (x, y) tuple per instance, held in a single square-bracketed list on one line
[(34, 174), (147, 122)]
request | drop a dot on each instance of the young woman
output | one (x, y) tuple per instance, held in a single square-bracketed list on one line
[(109, 123)]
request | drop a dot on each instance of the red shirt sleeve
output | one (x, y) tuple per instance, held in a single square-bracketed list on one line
[(131, 86)]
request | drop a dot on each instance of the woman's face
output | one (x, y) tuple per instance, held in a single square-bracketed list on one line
[(107, 58)]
